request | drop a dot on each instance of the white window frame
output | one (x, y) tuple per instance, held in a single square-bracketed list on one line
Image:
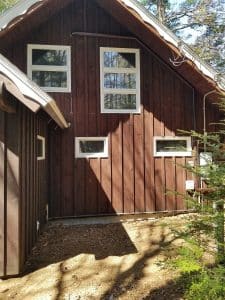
[(135, 70), (67, 68), (79, 154), (188, 152), (42, 139)]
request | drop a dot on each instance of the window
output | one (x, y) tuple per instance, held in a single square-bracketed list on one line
[(91, 147), (49, 66), (40, 147), (172, 146), (120, 80)]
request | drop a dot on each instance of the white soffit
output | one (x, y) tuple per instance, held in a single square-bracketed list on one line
[(171, 38), (16, 11)]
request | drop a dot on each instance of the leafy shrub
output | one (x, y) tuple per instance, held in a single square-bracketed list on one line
[(209, 284), (189, 257)]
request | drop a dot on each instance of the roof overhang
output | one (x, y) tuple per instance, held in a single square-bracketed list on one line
[(27, 92)]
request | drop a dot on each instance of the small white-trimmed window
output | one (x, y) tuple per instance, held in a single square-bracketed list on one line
[(172, 146), (91, 147), (50, 67), (40, 147), (120, 80)]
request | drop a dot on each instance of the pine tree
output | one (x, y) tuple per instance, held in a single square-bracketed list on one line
[(5, 4), (205, 17)]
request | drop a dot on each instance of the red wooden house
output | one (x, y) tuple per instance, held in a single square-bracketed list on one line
[(122, 86)]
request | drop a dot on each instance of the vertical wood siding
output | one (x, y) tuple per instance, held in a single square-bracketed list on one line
[(131, 180), (23, 187), (2, 192), (34, 180)]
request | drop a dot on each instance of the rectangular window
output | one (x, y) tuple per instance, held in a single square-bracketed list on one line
[(91, 147), (172, 146), (50, 67), (40, 147), (120, 80)]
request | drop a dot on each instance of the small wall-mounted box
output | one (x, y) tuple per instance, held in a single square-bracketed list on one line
[(189, 185)]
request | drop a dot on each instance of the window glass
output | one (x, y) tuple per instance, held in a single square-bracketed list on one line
[(91, 146), (113, 59), (49, 66), (171, 146), (50, 78), (120, 101), (120, 81), (49, 57), (39, 147)]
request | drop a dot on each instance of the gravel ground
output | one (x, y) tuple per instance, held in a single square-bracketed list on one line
[(107, 261)]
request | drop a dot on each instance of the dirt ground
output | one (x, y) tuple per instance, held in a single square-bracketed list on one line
[(111, 261)]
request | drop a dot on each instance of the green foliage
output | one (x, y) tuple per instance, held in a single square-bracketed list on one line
[(209, 284), (199, 281), (206, 18), (202, 282), (189, 257), (5, 4)]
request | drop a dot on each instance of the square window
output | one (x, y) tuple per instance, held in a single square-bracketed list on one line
[(120, 80), (40, 147), (49, 66), (172, 146), (91, 147)]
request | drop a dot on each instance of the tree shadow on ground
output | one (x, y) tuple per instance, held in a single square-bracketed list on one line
[(61, 242), (174, 289), (129, 279), (118, 263)]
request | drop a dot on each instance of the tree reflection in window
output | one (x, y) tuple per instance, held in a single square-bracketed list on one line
[(115, 59), (171, 146), (49, 57), (120, 80), (50, 67), (51, 78), (118, 101), (91, 146)]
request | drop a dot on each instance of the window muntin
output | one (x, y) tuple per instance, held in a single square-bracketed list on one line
[(40, 147), (91, 147), (120, 80), (172, 146), (49, 66)]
